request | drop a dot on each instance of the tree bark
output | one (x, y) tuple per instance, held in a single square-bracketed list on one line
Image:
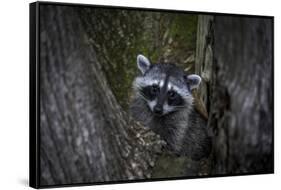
[(234, 58), (85, 136), (87, 65)]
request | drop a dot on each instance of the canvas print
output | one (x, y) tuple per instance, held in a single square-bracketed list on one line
[(130, 94)]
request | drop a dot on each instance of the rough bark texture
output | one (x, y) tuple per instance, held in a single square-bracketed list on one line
[(204, 57), (85, 134), (87, 65), (234, 57)]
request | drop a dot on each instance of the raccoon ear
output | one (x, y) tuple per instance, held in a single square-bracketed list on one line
[(143, 63), (193, 81)]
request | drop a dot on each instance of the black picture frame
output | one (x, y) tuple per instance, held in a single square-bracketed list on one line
[(34, 98)]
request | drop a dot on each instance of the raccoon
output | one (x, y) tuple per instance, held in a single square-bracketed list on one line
[(162, 101)]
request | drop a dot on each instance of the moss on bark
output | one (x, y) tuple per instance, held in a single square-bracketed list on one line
[(119, 36)]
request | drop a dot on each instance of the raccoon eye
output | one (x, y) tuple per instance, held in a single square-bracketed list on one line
[(154, 89), (172, 95)]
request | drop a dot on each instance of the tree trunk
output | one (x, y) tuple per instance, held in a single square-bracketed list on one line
[(85, 136), (234, 58), (87, 65)]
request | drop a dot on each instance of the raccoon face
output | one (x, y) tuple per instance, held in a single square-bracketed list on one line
[(164, 87)]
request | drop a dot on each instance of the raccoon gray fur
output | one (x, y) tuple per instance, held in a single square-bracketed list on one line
[(163, 102)]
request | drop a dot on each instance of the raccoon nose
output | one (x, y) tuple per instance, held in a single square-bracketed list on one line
[(158, 110)]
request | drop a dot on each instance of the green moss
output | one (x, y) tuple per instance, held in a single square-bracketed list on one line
[(119, 36), (170, 166), (184, 29)]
